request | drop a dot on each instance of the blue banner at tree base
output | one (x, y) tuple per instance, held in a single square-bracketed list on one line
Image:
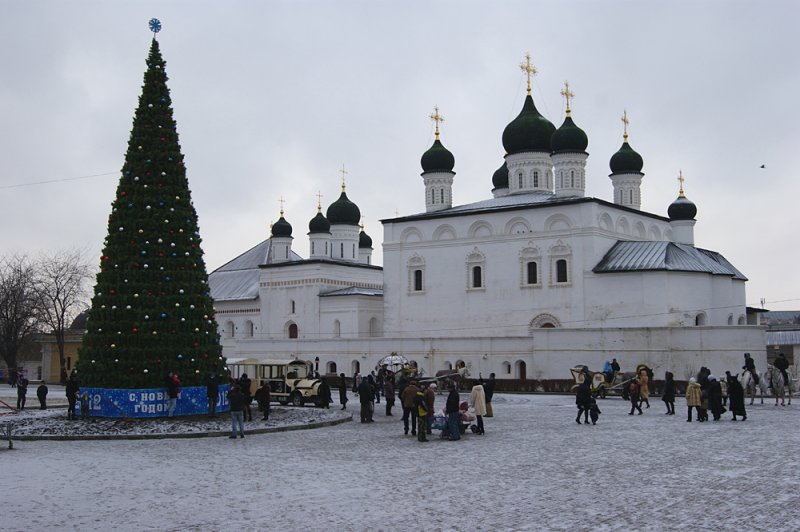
[(153, 402)]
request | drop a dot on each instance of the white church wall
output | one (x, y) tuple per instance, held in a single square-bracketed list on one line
[(548, 354)]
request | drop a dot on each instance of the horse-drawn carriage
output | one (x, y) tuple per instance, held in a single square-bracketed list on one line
[(601, 382)]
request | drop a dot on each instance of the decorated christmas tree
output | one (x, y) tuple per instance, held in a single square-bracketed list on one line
[(151, 311)]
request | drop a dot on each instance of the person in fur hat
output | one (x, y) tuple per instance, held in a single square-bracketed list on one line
[(693, 399)]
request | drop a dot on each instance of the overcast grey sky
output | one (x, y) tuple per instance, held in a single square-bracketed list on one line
[(271, 98)]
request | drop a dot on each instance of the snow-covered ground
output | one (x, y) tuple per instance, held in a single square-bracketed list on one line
[(535, 469)]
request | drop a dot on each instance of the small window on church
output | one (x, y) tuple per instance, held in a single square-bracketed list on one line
[(477, 277), (532, 273), (312, 247), (572, 177), (417, 280), (441, 196), (535, 179), (561, 271), (292, 306), (341, 250), (293, 331), (326, 248), (520, 180), (433, 196), (354, 251), (631, 196)]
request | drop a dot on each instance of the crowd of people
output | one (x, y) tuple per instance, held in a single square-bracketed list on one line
[(705, 392)]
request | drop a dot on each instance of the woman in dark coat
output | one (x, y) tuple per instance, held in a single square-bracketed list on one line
[(715, 397), (736, 395), (583, 398), (343, 391), (669, 393)]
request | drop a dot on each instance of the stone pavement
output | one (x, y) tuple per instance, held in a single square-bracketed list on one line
[(535, 469)]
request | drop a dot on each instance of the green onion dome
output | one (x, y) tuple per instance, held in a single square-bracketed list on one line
[(319, 224), (281, 228), (500, 177), (626, 161), (569, 138), (682, 209), (437, 159), (529, 131), (343, 211), (364, 241)]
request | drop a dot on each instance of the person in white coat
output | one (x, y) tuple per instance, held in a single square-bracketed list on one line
[(477, 400)]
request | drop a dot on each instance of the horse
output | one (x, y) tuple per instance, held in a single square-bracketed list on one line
[(774, 378), (750, 387), (453, 375)]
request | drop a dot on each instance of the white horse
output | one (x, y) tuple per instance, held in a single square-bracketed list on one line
[(774, 379), (748, 382)]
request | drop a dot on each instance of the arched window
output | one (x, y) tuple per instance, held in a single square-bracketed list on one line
[(373, 328), (741, 321), (229, 329), (417, 280), (293, 328), (312, 247), (535, 178), (631, 195), (561, 271), (532, 273), (507, 368), (326, 248), (292, 306), (477, 277), (730, 319), (337, 329), (520, 180), (572, 177), (700, 319), (331, 368), (433, 195), (441, 196), (248, 329), (341, 250), (354, 251)]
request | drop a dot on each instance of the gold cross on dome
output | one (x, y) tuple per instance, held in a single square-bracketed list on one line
[(281, 201), (344, 173), (681, 179), (625, 123), (567, 94), (529, 69), (436, 117), (319, 201)]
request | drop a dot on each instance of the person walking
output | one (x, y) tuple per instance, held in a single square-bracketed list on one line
[(72, 390), (236, 402), (41, 393), (407, 400), (644, 387), (324, 392), (633, 394), (22, 391), (421, 406), (453, 414), (669, 393), (244, 385), (263, 399), (477, 400), (430, 398), (736, 396), (343, 391), (715, 397), (583, 396), (388, 392), (488, 388), (212, 393), (365, 397), (693, 399), (173, 388)]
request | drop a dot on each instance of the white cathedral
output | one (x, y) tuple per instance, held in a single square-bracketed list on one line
[(526, 284)]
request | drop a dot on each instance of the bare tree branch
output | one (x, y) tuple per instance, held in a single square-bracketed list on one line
[(62, 288), (18, 306)]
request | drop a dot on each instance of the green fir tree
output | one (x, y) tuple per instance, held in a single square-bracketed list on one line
[(151, 310)]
